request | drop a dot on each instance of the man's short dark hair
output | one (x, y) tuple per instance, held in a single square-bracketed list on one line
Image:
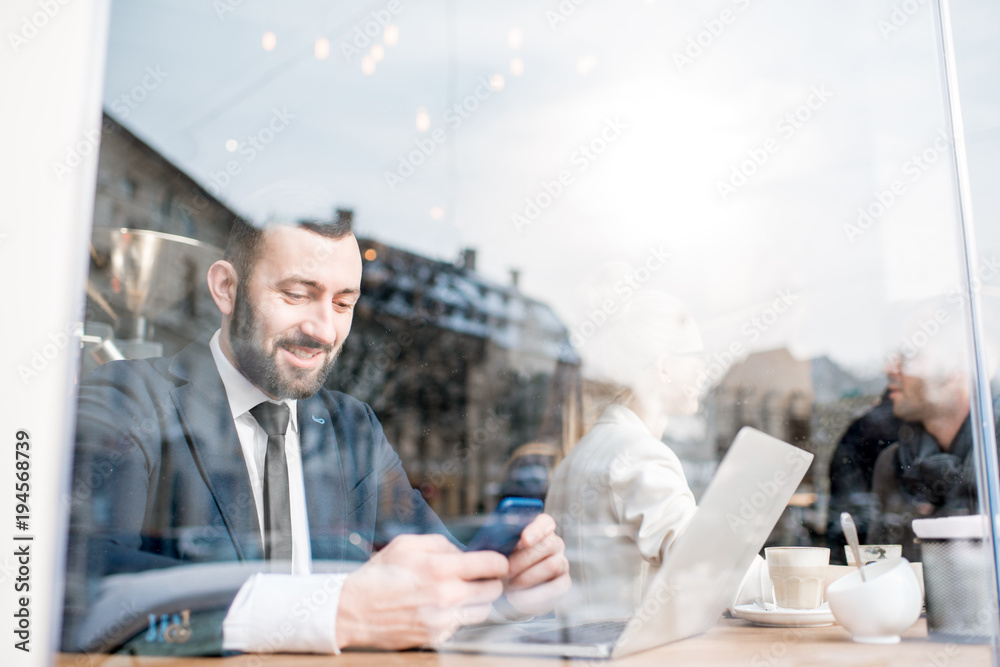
[(246, 240)]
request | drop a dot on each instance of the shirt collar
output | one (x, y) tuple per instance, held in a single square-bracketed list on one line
[(242, 394)]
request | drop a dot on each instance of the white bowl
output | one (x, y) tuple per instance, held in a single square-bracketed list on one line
[(876, 611)]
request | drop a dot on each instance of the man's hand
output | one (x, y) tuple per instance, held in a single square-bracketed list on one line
[(539, 571), (416, 591)]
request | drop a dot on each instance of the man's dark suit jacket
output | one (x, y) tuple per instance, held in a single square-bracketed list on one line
[(160, 480), (851, 468), (915, 478)]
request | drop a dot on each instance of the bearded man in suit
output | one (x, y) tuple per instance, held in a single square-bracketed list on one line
[(232, 451)]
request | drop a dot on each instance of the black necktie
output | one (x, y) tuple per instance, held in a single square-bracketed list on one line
[(273, 418)]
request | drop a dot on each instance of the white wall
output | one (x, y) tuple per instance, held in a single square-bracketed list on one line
[(51, 75)]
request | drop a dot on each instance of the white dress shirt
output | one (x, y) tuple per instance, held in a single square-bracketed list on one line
[(243, 396), (276, 612)]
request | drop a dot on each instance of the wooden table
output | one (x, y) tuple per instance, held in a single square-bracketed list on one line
[(730, 642)]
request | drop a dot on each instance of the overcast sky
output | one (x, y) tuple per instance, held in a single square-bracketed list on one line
[(739, 137)]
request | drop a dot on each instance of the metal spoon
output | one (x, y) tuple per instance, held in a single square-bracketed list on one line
[(851, 533)]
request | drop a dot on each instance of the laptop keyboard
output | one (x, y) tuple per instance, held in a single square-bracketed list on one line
[(595, 632)]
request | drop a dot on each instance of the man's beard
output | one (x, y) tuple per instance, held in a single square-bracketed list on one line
[(260, 366), (923, 401), (903, 409)]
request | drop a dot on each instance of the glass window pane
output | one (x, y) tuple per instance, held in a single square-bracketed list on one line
[(577, 249)]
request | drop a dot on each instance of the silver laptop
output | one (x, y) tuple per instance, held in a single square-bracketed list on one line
[(701, 572)]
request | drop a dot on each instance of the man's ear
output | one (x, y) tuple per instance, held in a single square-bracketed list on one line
[(222, 285)]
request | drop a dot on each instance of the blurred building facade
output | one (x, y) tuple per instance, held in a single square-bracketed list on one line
[(806, 402), (459, 369), (139, 188)]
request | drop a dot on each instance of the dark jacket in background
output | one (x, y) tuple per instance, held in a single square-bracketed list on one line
[(851, 469), (915, 479)]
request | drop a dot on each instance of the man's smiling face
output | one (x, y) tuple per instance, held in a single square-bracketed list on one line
[(291, 318)]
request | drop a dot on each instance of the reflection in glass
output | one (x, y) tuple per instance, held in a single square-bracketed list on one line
[(794, 194), (620, 496)]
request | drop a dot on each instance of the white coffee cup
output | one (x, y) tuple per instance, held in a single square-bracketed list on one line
[(798, 575), (870, 552)]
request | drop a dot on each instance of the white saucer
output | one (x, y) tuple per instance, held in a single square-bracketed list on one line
[(785, 618)]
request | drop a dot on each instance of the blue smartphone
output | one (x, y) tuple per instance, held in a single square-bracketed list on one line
[(503, 528)]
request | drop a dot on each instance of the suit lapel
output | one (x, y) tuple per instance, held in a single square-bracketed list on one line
[(211, 433), (323, 476)]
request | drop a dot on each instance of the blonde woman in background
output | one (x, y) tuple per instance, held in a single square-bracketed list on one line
[(620, 497)]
